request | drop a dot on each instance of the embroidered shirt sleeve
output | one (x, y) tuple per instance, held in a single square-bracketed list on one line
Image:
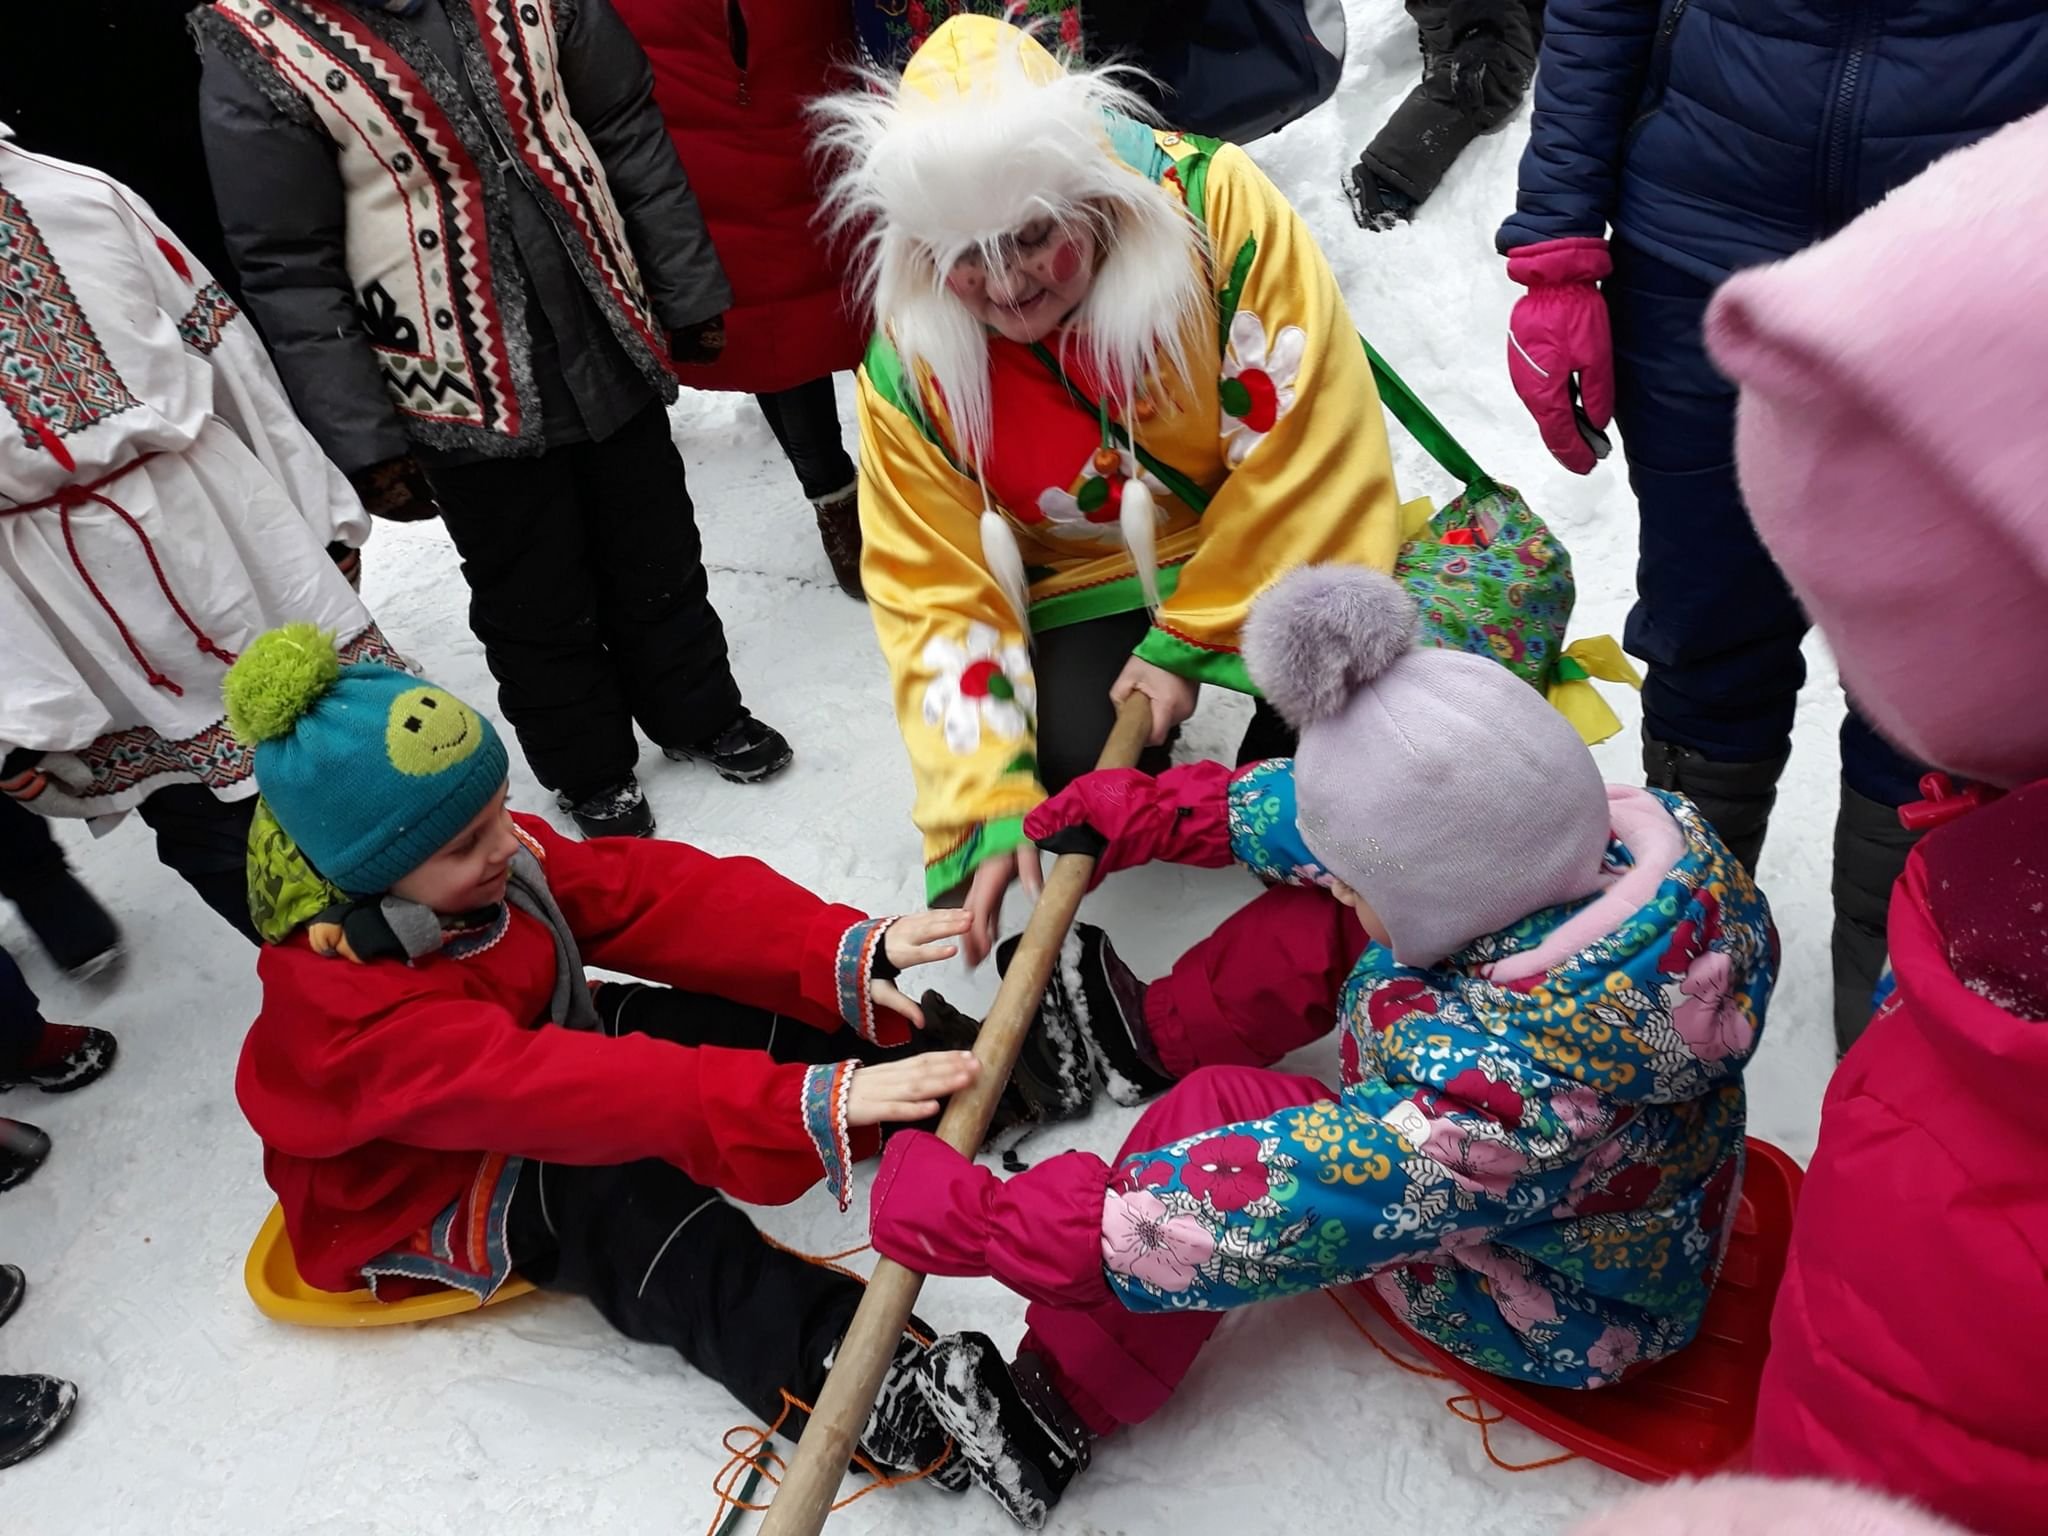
[(827, 1088), (1305, 487), (860, 948)]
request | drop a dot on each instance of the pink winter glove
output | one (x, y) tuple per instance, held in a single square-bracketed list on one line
[(1126, 818), (1558, 335), (941, 1213)]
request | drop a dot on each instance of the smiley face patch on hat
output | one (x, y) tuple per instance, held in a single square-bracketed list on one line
[(429, 731)]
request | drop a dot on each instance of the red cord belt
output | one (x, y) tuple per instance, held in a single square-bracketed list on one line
[(72, 497)]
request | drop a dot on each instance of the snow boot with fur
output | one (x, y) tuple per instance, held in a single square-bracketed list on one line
[(1016, 1436), (1094, 997)]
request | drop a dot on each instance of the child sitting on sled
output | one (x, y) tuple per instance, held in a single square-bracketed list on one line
[(1537, 1146), (443, 1100)]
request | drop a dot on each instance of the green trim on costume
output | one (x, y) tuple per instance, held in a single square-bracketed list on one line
[(1226, 669), (884, 367), (1100, 601), (1233, 290), (1003, 835)]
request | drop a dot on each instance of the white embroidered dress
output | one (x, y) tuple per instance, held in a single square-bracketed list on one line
[(160, 504)]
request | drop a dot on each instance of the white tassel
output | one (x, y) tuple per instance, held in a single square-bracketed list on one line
[(1006, 563), (1139, 519)]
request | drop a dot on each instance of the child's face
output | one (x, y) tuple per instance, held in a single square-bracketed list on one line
[(1032, 281), (471, 869), (1368, 919)]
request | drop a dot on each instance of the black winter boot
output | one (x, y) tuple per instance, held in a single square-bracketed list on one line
[(13, 1286), (32, 1410), (1017, 1438), (1095, 996), (1042, 1084), (1736, 798), (22, 1150), (903, 1436), (66, 1058), (1870, 855), (745, 752), (620, 811)]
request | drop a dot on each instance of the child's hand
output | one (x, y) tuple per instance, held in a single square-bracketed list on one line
[(920, 939), (908, 1090)]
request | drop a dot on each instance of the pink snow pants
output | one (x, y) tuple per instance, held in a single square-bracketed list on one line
[(1263, 984)]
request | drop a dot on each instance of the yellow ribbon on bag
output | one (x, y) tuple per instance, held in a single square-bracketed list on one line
[(1573, 695)]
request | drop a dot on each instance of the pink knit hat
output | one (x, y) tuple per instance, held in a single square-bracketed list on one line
[(1438, 785), (1755, 1506), (1893, 447)]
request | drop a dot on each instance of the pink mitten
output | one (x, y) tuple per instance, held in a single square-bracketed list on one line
[(1125, 818), (1558, 333), (941, 1213)]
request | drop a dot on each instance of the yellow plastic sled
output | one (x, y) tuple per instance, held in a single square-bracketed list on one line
[(272, 1275)]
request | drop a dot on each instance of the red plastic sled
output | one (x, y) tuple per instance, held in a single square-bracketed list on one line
[(1689, 1415)]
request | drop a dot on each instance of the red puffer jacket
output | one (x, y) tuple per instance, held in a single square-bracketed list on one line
[(732, 78), (1909, 1349)]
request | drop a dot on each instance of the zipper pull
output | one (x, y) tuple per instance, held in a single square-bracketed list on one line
[(1941, 802)]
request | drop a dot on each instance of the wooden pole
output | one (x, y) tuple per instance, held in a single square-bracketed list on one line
[(807, 1493)]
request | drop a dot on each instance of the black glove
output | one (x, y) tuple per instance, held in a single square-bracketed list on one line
[(700, 345), (1376, 203), (397, 491)]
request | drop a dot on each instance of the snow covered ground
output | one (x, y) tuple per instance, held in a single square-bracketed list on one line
[(198, 1415)]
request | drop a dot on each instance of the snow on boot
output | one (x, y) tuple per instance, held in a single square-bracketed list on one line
[(839, 532), (22, 1150), (32, 1409), (903, 1435), (67, 1057), (1870, 854), (621, 811), (68, 921), (1018, 1439), (1054, 1060), (745, 752), (1027, 1099), (1736, 798), (13, 1285), (1094, 996)]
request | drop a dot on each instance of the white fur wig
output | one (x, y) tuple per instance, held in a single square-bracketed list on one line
[(984, 133)]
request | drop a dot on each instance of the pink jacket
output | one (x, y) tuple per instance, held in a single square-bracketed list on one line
[(1909, 1348)]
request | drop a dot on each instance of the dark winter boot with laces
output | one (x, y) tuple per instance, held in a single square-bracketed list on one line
[(745, 752), (839, 532), (1094, 997), (621, 811), (903, 1436), (67, 1057), (22, 1150), (1019, 1440), (32, 1410)]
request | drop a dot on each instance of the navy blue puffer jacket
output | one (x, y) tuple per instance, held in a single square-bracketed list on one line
[(1717, 134)]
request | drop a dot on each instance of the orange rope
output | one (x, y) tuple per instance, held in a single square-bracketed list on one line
[(755, 1455), (1468, 1406)]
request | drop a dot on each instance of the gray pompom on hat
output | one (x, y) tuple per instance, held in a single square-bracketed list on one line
[(1438, 785)]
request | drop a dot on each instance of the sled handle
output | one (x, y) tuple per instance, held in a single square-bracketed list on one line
[(805, 1498)]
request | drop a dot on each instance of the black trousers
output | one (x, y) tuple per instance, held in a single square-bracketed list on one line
[(587, 589), (200, 837), (805, 421), (1075, 666), (670, 1261)]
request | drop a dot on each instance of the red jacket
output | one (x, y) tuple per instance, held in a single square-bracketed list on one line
[(732, 78), (376, 1087), (1909, 1348)]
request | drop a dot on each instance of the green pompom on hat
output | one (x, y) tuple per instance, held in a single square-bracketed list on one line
[(369, 769)]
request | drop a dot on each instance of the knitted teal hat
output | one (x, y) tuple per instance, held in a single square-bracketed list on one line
[(369, 769)]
